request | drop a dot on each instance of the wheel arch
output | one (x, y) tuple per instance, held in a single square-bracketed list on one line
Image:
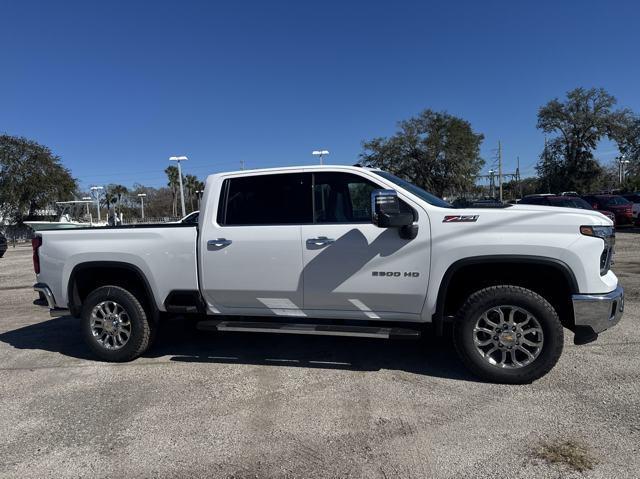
[(133, 278), (561, 274)]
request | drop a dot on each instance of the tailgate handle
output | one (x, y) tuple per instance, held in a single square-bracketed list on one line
[(218, 243)]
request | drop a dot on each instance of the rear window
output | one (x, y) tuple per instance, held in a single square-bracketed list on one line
[(570, 202), (266, 200)]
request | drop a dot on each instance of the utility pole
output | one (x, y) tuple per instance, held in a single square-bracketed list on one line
[(500, 168), (491, 184), (518, 179)]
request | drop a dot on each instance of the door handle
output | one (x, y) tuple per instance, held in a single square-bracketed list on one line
[(319, 241), (218, 243)]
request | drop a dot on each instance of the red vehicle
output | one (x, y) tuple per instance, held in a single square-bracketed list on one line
[(619, 206), (564, 201)]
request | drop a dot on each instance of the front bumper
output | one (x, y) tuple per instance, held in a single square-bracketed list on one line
[(598, 311), (45, 291)]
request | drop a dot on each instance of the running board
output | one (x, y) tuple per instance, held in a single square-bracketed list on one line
[(308, 328)]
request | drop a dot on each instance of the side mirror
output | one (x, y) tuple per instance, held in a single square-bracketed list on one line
[(385, 210)]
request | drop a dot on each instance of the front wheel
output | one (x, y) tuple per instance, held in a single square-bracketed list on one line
[(115, 325), (508, 334)]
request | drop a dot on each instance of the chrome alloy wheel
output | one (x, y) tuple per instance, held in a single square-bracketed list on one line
[(508, 337), (110, 325)]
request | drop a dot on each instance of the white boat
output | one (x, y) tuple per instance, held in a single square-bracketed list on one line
[(65, 220)]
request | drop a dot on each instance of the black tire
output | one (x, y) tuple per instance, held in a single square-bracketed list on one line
[(501, 295), (141, 327)]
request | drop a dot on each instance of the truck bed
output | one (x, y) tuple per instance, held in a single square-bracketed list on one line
[(164, 253)]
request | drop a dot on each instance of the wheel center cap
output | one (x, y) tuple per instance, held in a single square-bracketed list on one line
[(508, 338), (111, 324)]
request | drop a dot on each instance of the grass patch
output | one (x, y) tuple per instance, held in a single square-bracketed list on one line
[(570, 453)]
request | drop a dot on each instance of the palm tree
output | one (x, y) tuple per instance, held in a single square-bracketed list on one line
[(113, 196), (191, 185), (173, 184)]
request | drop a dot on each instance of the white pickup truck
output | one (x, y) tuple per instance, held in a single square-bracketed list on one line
[(347, 251)]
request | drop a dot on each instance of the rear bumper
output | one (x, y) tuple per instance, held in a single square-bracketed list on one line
[(598, 311), (45, 291)]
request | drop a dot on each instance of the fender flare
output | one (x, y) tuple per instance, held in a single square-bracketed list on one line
[(74, 307), (557, 264)]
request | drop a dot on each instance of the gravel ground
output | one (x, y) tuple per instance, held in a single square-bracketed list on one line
[(253, 406)]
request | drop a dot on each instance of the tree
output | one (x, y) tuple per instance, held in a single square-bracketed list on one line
[(578, 123), (113, 196), (31, 178), (436, 150), (191, 184), (174, 184), (626, 134)]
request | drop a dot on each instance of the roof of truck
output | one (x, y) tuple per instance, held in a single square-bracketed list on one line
[(293, 168)]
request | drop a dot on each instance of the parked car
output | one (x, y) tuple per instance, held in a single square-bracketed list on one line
[(619, 206), (565, 201), (343, 251), (635, 209), (3, 244)]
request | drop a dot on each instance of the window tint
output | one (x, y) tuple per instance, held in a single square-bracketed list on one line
[(616, 201), (344, 198), (535, 200), (416, 190), (267, 199), (570, 202)]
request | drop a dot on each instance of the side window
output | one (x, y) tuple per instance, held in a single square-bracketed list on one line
[(266, 200), (343, 198)]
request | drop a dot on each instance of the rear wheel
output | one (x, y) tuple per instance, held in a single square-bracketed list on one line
[(508, 334), (115, 325)]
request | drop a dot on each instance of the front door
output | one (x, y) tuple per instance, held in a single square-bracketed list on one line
[(251, 257), (353, 266)]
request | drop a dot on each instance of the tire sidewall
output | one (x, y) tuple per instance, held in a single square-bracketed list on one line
[(136, 315), (537, 306)]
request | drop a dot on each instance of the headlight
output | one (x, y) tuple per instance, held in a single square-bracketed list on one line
[(608, 236)]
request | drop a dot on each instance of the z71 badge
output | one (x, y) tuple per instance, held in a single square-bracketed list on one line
[(460, 219)]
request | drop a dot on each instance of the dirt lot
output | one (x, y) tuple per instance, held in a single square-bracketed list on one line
[(240, 405)]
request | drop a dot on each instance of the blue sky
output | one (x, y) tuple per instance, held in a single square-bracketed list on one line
[(116, 87)]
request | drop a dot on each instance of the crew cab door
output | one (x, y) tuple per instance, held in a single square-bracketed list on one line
[(353, 266), (250, 252)]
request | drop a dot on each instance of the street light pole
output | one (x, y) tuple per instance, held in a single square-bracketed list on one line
[(97, 189), (142, 197), (621, 172), (87, 198), (320, 153), (178, 159)]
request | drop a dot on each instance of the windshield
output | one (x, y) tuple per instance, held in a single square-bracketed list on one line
[(617, 201), (416, 190), (570, 202)]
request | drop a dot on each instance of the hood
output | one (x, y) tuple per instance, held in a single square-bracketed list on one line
[(529, 215), (596, 216)]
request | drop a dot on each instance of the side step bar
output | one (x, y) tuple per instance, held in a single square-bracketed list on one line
[(308, 328)]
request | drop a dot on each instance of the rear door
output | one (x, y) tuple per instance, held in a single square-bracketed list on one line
[(354, 267), (251, 256)]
